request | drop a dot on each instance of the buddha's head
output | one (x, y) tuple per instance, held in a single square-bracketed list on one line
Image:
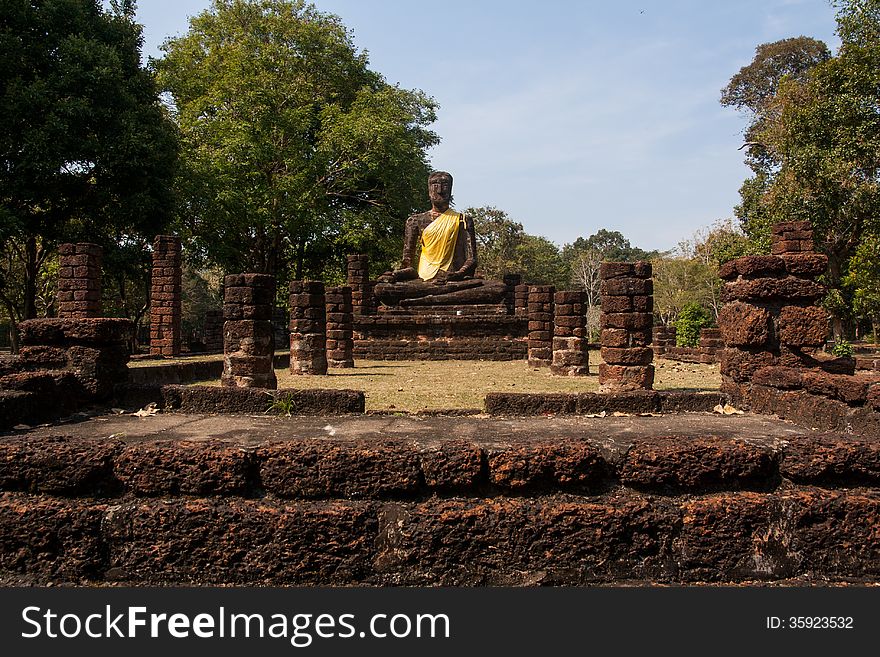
[(440, 188)]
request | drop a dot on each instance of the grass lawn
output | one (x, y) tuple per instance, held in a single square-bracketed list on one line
[(411, 386)]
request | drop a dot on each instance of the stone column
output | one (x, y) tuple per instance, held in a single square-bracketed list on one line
[(663, 337), (771, 316), (512, 281), (570, 355), (627, 296), (214, 330), (79, 281), (248, 342), (540, 325), (165, 302), (521, 301), (308, 328), (340, 342), (358, 279)]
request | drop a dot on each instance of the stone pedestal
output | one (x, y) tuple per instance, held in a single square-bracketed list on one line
[(570, 355), (165, 299), (79, 281), (540, 325), (308, 328), (627, 297), (248, 341), (340, 342)]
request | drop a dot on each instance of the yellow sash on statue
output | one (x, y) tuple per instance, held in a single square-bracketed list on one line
[(438, 245)]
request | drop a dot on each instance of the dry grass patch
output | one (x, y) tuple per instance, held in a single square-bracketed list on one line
[(410, 386)]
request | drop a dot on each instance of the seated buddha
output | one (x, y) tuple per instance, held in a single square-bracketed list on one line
[(443, 273)]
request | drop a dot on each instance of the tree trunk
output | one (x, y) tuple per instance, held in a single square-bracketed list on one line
[(300, 257), (13, 326), (31, 271)]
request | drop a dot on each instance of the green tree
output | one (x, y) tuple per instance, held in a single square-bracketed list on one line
[(498, 238), (817, 149), (540, 261), (752, 91), (691, 320), (87, 151), (864, 278), (683, 280), (295, 152)]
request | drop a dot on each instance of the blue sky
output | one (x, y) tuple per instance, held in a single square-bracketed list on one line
[(572, 115)]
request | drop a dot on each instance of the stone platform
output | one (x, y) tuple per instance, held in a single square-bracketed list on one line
[(388, 500), (441, 335)]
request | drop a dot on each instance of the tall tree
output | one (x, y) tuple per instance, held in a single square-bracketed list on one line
[(817, 148), (86, 149), (295, 152), (498, 237), (864, 279), (752, 91)]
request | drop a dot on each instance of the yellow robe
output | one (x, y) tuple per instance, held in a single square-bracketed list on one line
[(438, 244)]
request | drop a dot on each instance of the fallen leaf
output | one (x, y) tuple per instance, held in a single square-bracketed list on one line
[(147, 411), (727, 409)]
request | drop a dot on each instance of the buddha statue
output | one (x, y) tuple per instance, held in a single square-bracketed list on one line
[(442, 272)]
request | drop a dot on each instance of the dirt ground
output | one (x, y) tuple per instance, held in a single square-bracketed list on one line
[(410, 386)]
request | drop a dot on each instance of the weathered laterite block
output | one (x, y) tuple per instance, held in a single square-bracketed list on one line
[(79, 281), (71, 360), (521, 301), (165, 297), (771, 316), (308, 328), (213, 331), (248, 335), (626, 292), (512, 282), (358, 279), (340, 343), (540, 313), (570, 355)]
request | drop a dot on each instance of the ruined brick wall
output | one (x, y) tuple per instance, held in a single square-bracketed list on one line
[(248, 336), (213, 331), (662, 338), (340, 342), (308, 328), (541, 325), (771, 316), (165, 297), (819, 399), (627, 296), (570, 356), (79, 281), (389, 336), (423, 511), (63, 364), (358, 279), (707, 352)]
